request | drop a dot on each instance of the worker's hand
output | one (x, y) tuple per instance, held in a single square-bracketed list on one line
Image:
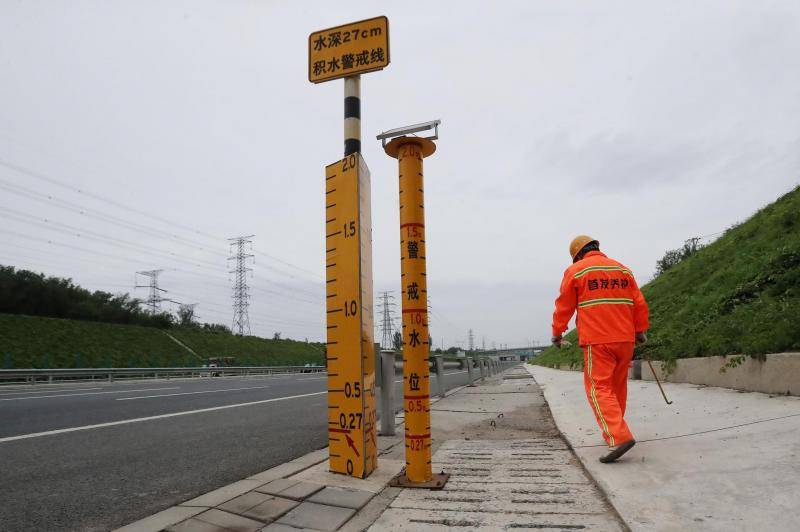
[(641, 338), (556, 340)]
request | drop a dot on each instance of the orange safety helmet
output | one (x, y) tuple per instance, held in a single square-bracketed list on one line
[(578, 243)]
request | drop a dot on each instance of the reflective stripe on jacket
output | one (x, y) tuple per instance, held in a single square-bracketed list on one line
[(610, 306)]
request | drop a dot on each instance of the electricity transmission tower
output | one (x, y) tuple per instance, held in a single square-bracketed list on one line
[(471, 342), (387, 327), (241, 296), (154, 299)]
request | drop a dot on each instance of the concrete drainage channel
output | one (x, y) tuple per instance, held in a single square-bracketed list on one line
[(528, 485), (518, 475), (517, 375)]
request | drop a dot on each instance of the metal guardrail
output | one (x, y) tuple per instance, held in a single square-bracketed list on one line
[(49, 375)]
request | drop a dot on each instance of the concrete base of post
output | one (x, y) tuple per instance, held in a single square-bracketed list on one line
[(436, 483), (387, 393)]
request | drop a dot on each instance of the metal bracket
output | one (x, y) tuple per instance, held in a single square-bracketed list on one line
[(436, 483), (408, 130)]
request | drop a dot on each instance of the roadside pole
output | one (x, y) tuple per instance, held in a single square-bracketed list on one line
[(468, 360), (387, 393), (440, 375), (347, 52), (410, 152)]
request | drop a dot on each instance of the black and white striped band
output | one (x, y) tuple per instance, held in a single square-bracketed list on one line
[(352, 115)]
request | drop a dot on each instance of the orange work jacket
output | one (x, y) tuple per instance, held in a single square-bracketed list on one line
[(610, 306)]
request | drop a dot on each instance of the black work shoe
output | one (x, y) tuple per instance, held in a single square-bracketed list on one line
[(616, 451)]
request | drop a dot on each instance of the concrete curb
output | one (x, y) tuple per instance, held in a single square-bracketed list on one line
[(192, 507), (777, 373)]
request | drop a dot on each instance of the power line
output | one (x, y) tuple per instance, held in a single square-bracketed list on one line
[(171, 223), (241, 297), (91, 235), (54, 181), (67, 229), (51, 200), (276, 259)]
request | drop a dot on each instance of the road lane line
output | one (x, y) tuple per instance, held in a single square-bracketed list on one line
[(52, 391), (90, 393), (191, 393), (151, 418)]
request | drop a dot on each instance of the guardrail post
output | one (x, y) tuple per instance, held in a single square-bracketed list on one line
[(481, 365), (110, 377), (440, 374), (469, 371), (49, 379), (387, 393)]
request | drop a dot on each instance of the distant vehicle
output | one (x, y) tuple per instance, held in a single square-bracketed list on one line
[(220, 362)]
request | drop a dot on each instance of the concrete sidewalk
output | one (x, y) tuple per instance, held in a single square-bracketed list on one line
[(716, 459), (510, 470)]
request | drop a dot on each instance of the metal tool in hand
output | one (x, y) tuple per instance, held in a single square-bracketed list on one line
[(652, 369)]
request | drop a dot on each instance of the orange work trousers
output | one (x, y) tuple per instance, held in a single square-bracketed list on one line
[(605, 376)]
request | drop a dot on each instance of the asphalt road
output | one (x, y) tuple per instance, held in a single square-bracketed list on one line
[(97, 456)]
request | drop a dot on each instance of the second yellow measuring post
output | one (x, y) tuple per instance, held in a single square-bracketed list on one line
[(410, 151)]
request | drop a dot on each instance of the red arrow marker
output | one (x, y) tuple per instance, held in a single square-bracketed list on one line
[(351, 444)]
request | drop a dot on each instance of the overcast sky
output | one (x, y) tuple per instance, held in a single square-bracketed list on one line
[(157, 130)]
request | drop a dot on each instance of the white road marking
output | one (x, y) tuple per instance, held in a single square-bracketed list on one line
[(90, 393), (152, 418), (52, 391), (191, 393)]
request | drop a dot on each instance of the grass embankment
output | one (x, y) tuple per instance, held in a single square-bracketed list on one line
[(738, 295), (35, 342)]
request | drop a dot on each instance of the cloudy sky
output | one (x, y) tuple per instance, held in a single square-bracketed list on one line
[(141, 135)]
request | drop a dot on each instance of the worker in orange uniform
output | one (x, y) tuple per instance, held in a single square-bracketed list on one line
[(612, 317)]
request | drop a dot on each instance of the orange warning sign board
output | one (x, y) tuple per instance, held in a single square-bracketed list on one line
[(348, 50), (350, 349)]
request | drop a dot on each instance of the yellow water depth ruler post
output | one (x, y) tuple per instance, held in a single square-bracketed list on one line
[(348, 51), (409, 151), (351, 351)]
